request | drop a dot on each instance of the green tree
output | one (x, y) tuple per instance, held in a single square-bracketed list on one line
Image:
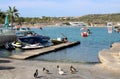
[(12, 12), (2, 16)]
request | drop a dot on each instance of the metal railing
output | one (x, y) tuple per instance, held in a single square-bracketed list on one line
[(6, 32)]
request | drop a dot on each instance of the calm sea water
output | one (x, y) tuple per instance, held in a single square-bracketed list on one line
[(87, 51)]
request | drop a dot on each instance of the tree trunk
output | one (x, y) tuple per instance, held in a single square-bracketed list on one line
[(12, 23)]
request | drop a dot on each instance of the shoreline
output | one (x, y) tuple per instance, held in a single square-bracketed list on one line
[(24, 69)]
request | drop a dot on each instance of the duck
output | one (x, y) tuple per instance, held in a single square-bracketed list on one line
[(36, 73), (73, 69), (45, 70), (60, 71)]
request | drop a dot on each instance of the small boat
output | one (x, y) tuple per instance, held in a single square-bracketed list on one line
[(55, 41), (117, 28), (59, 40), (32, 46), (21, 28), (109, 27), (84, 34)]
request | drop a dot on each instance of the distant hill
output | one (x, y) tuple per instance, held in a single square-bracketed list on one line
[(91, 18), (100, 18)]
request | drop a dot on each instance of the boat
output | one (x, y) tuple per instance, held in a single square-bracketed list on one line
[(109, 27), (77, 24), (85, 32), (30, 37), (21, 29), (59, 40), (28, 43), (34, 41), (32, 46), (117, 28), (55, 41)]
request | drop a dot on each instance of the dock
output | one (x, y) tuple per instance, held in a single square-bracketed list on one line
[(32, 53)]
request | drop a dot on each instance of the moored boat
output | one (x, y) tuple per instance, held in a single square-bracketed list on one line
[(55, 41), (59, 40), (30, 42), (85, 32), (32, 46)]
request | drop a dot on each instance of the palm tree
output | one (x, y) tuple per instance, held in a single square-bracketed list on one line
[(12, 12), (2, 16)]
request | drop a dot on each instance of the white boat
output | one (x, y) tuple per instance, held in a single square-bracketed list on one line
[(32, 46), (77, 24), (109, 26), (21, 29)]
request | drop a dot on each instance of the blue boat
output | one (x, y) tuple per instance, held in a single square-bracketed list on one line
[(35, 39), (30, 39), (43, 40)]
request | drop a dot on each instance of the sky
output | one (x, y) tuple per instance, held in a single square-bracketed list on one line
[(61, 8)]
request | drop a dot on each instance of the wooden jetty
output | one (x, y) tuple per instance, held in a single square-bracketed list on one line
[(33, 53)]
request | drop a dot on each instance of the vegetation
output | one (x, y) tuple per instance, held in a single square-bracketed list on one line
[(91, 18), (2, 16), (12, 12), (101, 18)]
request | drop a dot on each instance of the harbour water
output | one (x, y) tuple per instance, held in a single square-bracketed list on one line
[(87, 51)]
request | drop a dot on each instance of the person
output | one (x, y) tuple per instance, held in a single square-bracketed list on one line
[(29, 34), (65, 39), (35, 34), (88, 30)]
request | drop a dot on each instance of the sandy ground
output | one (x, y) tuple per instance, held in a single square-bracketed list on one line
[(24, 69)]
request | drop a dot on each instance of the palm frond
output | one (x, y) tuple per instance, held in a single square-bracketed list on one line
[(17, 14), (10, 9)]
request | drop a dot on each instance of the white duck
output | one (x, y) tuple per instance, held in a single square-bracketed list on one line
[(60, 71)]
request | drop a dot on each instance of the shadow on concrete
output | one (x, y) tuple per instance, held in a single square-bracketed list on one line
[(6, 68), (5, 61)]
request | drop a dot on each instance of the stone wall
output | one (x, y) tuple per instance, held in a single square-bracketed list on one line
[(6, 38)]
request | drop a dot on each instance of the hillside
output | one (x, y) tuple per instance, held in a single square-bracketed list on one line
[(101, 18)]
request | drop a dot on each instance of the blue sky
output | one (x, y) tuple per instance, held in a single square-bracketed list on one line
[(58, 8)]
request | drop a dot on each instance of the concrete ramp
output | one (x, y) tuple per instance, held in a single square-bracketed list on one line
[(111, 57)]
